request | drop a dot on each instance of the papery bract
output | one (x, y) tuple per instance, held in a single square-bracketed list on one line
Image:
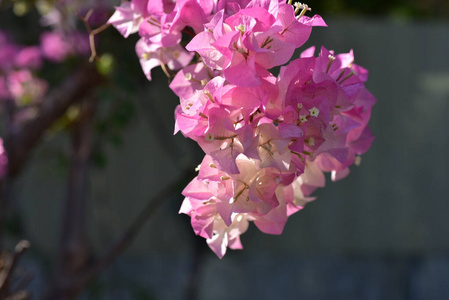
[(127, 18)]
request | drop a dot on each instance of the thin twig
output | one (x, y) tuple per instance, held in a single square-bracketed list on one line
[(23, 281), (128, 236), (92, 33), (10, 264), (21, 295), (166, 70), (88, 14), (20, 143), (76, 284), (101, 28)]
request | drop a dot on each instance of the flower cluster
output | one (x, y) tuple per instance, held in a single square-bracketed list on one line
[(19, 64), (267, 139), (3, 160), (21, 88)]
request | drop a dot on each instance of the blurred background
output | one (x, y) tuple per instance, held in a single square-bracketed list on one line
[(381, 233)]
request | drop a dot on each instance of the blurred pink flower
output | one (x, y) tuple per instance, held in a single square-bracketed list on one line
[(3, 160), (29, 57), (54, 47), (25, 88)]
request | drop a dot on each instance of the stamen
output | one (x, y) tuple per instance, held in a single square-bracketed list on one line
[(297, 6), (341, 74), (240, 50), (311, 141), (154, 22), (240, 28), (331, 60), (189, 77), (209, 95), (348, 76), (335, 127), (267, 148), (223, 138), (303, 6), (235, 46), (225, 178), (239, 194), (314, 112), (238, 121), (267, 42), (358, 160), (210, 137), (212, 165), (298, 154)]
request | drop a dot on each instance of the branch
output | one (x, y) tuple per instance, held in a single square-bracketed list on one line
[(92, 33), (20, 142), (74, 252), (10, 262), (128, 236), (75, 285)]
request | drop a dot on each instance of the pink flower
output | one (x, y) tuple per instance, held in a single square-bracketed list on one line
[(24, 88), (152, 55), (57, 46), (29, 57), (3, 160), (7, 56), (54, 47), (251, 40), (4, 91), (227, 236), (165, 29), (127, 18), (191, 79), (268, 140)]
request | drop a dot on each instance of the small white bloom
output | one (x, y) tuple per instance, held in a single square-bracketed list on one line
[(210, 137), (314, 112)]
